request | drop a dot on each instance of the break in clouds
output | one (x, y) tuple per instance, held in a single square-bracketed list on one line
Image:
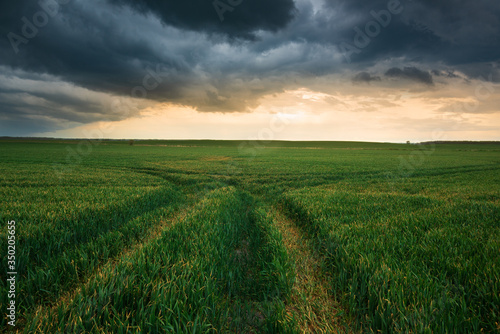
[(70, 62)]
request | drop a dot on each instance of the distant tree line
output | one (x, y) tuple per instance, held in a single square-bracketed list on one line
[(461, 142)]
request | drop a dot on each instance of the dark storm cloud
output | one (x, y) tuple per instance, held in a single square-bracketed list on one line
[(410, 73), (181, 52), (453, 31), (42, 101), (19, 125), (93, 45), (240, 18), (446, 74), (365, 77)]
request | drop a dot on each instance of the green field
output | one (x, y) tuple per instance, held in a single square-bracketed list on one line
[(229, 236)]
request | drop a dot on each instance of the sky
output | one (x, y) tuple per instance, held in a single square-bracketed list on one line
[(361, 70)]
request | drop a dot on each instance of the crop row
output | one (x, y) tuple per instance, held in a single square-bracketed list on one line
[(407, 263), (56, 252), (221, 266)]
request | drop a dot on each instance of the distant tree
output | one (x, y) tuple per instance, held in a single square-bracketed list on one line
[(408, 142), (131, 142)]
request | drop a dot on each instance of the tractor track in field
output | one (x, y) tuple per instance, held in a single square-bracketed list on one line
[(152, 234), (311, 301)]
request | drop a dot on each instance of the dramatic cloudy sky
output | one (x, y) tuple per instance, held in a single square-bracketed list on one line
[(371, 70)]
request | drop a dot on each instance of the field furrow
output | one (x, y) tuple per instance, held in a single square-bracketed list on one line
[(206, 272), (161, 223), (406, 261), (312, 301)]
